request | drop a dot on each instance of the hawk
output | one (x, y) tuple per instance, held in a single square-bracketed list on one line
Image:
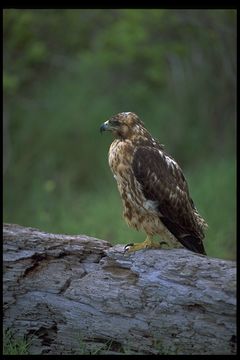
[(152, 186)]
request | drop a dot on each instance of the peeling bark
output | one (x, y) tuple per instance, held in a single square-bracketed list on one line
[(77, 294)]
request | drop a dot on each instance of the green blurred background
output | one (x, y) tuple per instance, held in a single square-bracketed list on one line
[(67, 71)]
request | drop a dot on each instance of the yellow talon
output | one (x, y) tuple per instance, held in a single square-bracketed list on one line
[(147, 244)]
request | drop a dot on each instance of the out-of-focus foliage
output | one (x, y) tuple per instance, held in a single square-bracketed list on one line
[(67, 71)]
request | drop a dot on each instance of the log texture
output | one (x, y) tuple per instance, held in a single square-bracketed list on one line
[(77, 294)]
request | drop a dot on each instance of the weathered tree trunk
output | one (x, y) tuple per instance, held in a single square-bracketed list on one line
[(77, 294)]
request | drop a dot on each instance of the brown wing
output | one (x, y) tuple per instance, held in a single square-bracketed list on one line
[(162, 181)]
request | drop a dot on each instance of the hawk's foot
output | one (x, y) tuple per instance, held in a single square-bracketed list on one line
[(147, 244)]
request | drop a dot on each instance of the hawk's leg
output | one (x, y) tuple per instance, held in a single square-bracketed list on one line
[(147, 244)]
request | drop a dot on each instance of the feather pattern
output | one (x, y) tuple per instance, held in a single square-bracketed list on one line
[(163, 181), (152, 186)]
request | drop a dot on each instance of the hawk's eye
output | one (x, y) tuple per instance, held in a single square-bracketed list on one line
[(114, 122)]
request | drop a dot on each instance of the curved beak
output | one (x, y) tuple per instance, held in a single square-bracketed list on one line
[(105, 126)]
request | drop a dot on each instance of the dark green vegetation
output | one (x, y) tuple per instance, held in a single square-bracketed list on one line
[(13, 345), (67, 71)]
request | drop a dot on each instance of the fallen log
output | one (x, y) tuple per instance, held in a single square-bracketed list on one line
[(79, 295)]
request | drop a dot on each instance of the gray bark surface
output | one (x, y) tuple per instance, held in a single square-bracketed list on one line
[(74, 294)]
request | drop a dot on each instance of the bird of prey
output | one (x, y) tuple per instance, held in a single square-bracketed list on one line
[(152, 186)]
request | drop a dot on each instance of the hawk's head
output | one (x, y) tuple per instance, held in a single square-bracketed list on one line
[(123, 125)]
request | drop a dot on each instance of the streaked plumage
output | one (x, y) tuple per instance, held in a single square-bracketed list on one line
[(152, 186)]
